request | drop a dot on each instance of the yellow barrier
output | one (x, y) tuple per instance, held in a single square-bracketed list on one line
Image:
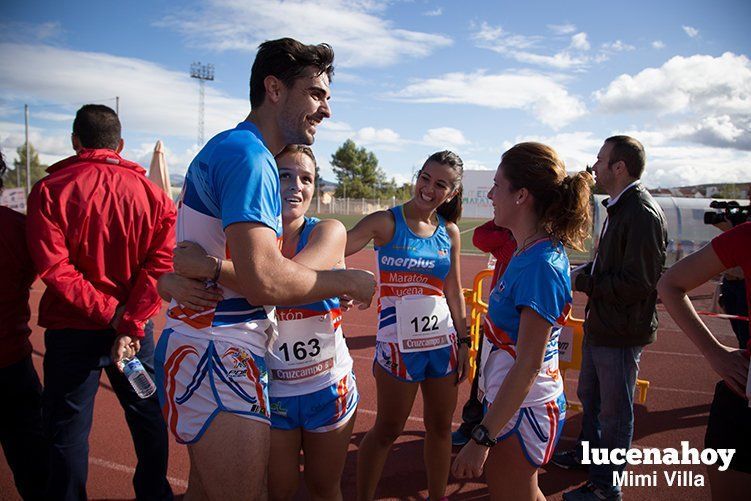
[(477, 308), (570, 342)]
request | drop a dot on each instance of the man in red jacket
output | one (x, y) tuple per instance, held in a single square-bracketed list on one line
[(21, 432), (100, 234)]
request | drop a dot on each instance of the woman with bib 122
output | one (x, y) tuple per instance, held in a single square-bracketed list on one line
[(523, 392), (312, 391), (422, 340)]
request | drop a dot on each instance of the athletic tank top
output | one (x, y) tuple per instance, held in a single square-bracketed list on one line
[(310, 352), (409, 265)]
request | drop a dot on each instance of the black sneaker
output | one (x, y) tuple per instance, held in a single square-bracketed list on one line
[(568, 460), (590, 492), (459, 438)]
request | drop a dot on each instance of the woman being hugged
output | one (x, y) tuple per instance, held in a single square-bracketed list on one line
[(312, 391), (422, 338), (545, 210)]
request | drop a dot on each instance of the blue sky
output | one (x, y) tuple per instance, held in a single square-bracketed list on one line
[(412, 77)]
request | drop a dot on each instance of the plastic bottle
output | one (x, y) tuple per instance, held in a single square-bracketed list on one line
[(138, 377), (491, 262)]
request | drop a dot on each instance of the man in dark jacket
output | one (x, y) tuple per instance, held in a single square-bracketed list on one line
[(620, 317)]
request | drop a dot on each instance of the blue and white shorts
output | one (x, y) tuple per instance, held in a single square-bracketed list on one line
[(538, 428), (417, 366), (321, 411), (197, 378)]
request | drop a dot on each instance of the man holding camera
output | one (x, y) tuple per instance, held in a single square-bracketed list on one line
[(733, 286)]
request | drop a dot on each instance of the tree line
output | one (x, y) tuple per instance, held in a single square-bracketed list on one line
[(359, 176)]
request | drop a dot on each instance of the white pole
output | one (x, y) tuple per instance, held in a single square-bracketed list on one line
[(28, 160)]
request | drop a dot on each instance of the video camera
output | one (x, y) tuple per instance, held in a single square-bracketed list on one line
[(732, 212)]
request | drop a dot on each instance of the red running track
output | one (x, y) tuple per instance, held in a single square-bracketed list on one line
[(676, 409)]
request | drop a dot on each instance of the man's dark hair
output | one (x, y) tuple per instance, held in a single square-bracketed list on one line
[(287, 59), (3, 168), (97, 126), (629, 150)]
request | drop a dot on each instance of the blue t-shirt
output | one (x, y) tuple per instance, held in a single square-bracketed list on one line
[(537, 278), (233, 179)]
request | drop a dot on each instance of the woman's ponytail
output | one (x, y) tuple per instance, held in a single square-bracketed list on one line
[(570, 219)]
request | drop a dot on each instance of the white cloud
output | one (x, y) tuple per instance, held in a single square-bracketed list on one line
[(373, 136), (710, 95), (338, 132), (658, 44), (670, 163), (580, 42), (335, 131), (681, 165), (433, 13), (690, 31), (22, 32), (721, 83), (519, 48), (532, 49), (53, 116), (577, 149), (359, 37), (544, 96), (154, 100), (444, 137), (51, 145), (501, 40), (618, 46), (472, 164), (562, 29)]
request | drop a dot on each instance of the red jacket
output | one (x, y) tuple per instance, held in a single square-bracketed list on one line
[(499, 242), (100, 234), (18, 275)]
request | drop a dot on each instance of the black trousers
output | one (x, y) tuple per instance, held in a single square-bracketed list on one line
[(21, 432), (73, 364), (733, 301), (473, 411)]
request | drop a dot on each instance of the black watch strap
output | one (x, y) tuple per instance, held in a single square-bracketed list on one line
[(481, 436), (464, 340)]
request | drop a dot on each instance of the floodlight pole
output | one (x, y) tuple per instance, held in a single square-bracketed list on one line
[(28, 160), (203, 73)]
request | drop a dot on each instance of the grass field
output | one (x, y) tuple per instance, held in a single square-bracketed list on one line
[(466, 226)]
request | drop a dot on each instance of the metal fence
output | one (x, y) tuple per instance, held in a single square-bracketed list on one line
[(352, 206)]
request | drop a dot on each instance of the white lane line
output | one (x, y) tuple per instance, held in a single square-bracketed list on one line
[(677, 390), (674, 353), (471, 229), (410, 418), (111, 465)]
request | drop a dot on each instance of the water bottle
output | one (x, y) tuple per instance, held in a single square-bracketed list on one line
[(138, 377), (491, 262)]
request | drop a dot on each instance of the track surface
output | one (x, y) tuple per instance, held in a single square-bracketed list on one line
[(676, 409)]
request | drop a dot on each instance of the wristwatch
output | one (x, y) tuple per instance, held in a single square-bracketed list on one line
[(464, 340), (481, 436)]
